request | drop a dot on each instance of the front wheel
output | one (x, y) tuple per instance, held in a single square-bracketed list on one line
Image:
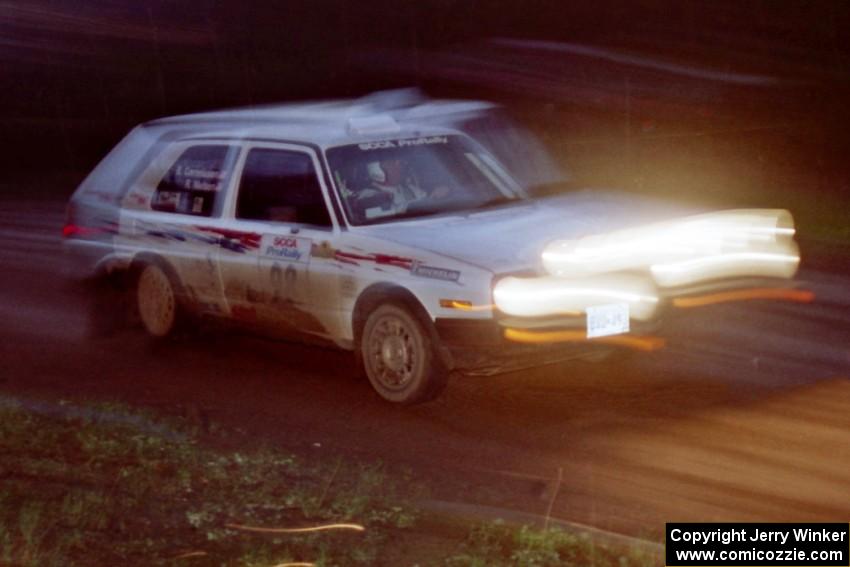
[(400, 356)]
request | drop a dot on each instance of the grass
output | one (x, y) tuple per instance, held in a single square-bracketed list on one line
[(496, 544), (101, 484)]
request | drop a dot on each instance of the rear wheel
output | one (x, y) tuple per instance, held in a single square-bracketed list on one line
[(400, 357), (156, 300)]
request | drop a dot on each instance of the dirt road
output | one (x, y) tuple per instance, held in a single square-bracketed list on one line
[(745, 416)]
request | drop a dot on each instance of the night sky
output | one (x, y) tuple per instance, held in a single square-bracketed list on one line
[(78, 74)]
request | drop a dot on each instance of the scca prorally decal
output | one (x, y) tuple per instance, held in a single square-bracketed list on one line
[(289, 248), (382, 144), (380, 259), (435, 273)]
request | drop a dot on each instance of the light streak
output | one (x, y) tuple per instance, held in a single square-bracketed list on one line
[(798, 295), (190, 554), (549, 295), (737, 264), (659, 245), (644, 343), (326, 527)]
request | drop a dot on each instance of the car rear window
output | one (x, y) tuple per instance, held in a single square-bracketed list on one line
[(109, 181)]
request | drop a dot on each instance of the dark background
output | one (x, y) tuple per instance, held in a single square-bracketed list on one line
[(742, 417), (742, 102)]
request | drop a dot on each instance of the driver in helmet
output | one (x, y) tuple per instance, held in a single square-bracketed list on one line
[(387, 177)]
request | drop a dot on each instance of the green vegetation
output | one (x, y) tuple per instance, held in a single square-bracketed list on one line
[(497, 545), (102, 485)]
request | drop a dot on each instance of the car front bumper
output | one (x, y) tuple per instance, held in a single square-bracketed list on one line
[(504, 343)]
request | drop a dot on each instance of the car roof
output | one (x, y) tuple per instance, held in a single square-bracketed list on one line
[(389, 114)]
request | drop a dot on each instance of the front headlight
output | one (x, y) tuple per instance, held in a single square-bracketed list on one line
[(628, 266), (550, 295)]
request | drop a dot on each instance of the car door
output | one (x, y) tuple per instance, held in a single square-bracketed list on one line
[(174, 210), (275, 275)]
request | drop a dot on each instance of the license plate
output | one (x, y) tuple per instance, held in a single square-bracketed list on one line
[(605, 320)]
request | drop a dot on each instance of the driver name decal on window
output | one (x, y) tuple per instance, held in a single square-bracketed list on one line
[(193, 183), (199, 178)]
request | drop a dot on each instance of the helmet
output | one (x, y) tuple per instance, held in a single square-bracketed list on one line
[(376, 172)]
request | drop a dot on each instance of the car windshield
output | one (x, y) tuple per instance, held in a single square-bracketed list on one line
[(414, 177)]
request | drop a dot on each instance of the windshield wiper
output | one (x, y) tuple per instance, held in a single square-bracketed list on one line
[(496, 202), (419, 210), (553, 188), (416, 212)]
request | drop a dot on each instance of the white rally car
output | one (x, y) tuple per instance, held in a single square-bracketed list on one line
[(402, 240)]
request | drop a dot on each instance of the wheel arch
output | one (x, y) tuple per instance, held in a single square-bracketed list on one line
[(386, 292), (383, 292), (143, 259)]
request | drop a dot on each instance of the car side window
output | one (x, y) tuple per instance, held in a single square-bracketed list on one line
[(194, 184), (281, 185)]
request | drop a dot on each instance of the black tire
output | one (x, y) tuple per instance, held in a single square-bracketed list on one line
[(400, 358), (157, 301)]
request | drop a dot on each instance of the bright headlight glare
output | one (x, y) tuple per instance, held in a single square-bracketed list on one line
[(550, 295), (724, 235), (780, 265)]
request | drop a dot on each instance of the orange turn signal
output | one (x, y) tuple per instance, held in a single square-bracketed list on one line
[(463, 305), (644, 343)]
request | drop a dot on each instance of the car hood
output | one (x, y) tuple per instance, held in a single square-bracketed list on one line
[(511, 238)]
